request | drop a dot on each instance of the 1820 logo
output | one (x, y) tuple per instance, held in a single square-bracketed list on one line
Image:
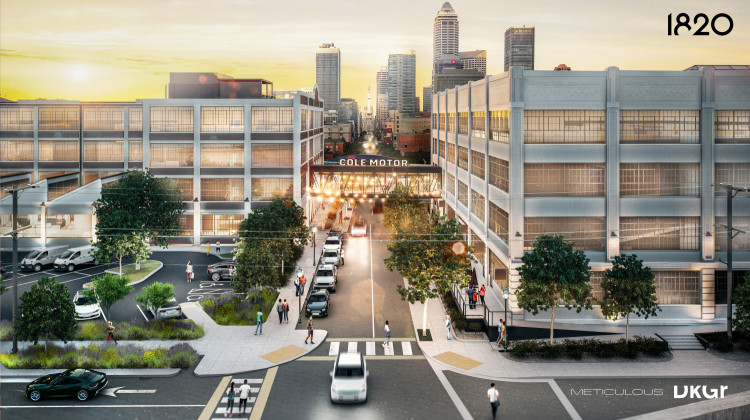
[(721, 24)]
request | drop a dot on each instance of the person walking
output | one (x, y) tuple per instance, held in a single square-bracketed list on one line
[(502, 334), (111, 332), (280, 310), (302, 281), (259, 324), (244, 396), (286, 311), (387, 335), (208, 249), (296, 286), (189, 272), (474, 296), (230, 400), (309, 331), (218, 248), (448, 325), (494, 396), (482, 292), (342, 257)]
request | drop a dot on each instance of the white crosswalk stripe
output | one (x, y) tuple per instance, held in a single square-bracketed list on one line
[(334, 350), (370, 348), (406, 348), (221, 409), (352, 347), (388, 349)]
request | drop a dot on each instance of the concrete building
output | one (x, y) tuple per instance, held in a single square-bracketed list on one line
[(328, 75), (381, 97), (412, 144), (445, 32), (474, 60), (519, 47), (404, 124), (229, 156), (450, 78), (402, 81), (217, 86), (616, 161), (349, 111), (427, 99)]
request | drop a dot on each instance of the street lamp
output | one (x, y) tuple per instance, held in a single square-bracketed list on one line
[(299, 295), (506, 295), (314, 229)]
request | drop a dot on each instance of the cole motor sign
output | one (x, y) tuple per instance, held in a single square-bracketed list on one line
[(373, 162)]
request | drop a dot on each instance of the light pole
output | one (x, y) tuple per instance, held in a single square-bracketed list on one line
[(299, 295), (14, 233), (506, 295), (314, 229)]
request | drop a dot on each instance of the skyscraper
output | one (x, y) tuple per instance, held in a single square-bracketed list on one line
[(474, 60), (402, 88), (328, 75), (444, 33), (427, 99), (381, 97), (519, 47)]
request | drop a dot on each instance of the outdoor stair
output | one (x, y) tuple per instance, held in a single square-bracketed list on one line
[(682, 341)]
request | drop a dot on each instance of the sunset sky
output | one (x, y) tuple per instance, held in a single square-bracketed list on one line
[(123, 50)]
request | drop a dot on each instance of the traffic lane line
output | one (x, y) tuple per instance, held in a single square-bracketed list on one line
[(262, 396), (210, 408), (5, 407), (377, 357)]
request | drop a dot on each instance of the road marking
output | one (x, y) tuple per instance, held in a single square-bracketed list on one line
[(334, 350), (372, 286), (332, 358), (352, 348), (265, 391), (106, 406), (368, 339), (139, 310), (250, 400), (406, 348), (208, 411), (370, 348), (136, 391), (388, 350), (249, 381), (564, 400), (462, 410)]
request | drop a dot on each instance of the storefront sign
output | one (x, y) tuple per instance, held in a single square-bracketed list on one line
[(373, 162)]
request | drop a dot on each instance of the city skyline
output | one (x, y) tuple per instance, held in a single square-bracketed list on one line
[(130, 56)]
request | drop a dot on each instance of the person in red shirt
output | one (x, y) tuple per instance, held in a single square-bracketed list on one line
[(482, 291)]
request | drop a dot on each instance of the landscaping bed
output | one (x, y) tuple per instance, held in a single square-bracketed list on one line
[(577, 349), (720, 346), (104, 356), (147, 268), (235, 310), (137, 329)]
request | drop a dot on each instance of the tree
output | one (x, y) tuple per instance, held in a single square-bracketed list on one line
[(629, 288), (256, 266), (3, 287), (554, 274), (741, 301), (110, 289), (404, 212), (155, 296), (46, 310), (133, 210)]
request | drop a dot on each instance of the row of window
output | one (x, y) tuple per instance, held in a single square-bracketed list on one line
[(233, 189)]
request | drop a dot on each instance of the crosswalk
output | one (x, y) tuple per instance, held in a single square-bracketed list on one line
[(371, 348), (221, 410)]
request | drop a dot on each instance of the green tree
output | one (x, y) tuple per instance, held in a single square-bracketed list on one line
[(110, 289), (3, 287), (133, 210), (256, 266), (741, 301), (404, 213), (554, 274), (155, 296), (46, 310), (629, 288)]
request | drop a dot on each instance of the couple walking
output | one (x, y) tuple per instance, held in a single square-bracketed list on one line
[(473, 295), (283, 310), (245, 393)]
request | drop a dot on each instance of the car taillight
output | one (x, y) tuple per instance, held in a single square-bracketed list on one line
[(162, 311)]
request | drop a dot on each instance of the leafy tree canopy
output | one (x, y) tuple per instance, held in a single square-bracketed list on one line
[(741, 300), (156, 295), (110, 289), (46, 310)]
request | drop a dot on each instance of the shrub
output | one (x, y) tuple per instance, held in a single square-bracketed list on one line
[(134, 332), (459, 322), (91, 331), (723, 345), (475, 327), (6, 331), (650, 346), (553, 351), (606, 351), (575, 352)]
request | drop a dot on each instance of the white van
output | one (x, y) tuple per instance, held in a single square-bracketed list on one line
[(75, 257), (41, 257)]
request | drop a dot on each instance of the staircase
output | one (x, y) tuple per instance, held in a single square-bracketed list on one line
[(682, 341)]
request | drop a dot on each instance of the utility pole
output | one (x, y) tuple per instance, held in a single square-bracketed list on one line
[(731, 192), (14, 233)]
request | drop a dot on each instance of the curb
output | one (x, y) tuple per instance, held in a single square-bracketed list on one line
[(34, 373), (141, 280)]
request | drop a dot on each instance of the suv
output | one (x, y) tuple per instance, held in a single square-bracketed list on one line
[(333, 242), (326, 277), (222, 271), (330, 256), (318, 303), (171, 309), (359, 228), (40, 257), (349, 378)]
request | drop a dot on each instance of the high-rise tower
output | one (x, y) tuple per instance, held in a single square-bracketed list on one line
[(402, 81), (381, 97), (328, 75), (519, 48), (444, 34)]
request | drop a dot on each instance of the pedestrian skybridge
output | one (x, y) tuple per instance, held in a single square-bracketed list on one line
[(372, 176)]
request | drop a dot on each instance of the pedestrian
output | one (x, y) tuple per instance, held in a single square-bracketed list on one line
[(286, 311), (342, 257), (387, 335), (474, 296), (501, 333), (296, 287), (208, 249), (189, 271), (494, 396), (245, 394), (309, 331), (448, 326), (218, 248), (230, 400), (482, 292), (280, 310), (259, 324), (111, 332), (468, 294), (302, 281)]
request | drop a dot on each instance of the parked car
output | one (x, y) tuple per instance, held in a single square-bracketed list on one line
[(79, 383), (359, 227), (318, 303), (87, 307), (333, 242), (41, 257), (75, 257), (222, 271), (326, 277), (331, 256), (349, 378), (171, 310)]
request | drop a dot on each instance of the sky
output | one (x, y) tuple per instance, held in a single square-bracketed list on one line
[(96, 50)]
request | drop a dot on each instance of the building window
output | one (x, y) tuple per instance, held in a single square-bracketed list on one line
[(171, 119), (451, 154), (441, 121), (441, 149), (463, 158), (596, 285), (572, 126), (186, 187), (477, 125), (737, 174), (302, 152), (499, 173), (103, 151), (186, 225), (463, 194), (104, 118), (58, 151), (222, 189), (17, 150), (732, 126), (659, 126), (16, 118), (135, 151), (741, 241), (171, 155), (52, 174), (222, 119), (499, 222), (135, 119), (720, 284), (463, 123), (91, 176), (275, 155), (266, 189), (68, 225), (499, 128), (659, 233), (272, 119), (586, 233), (478, 245), (498, 271), (450, 184), (222, 155), (58, 118), (56, 189), (451, 122), (660, 179), (477, 164), (220, 224), (477, 205), (678, 287), (303, 118), (564, 179)]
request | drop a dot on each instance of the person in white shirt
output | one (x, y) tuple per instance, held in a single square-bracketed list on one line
[(494, 396), (448, 325), (387, 335), (244, 396)]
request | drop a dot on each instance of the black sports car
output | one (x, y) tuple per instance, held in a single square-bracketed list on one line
[(79, 383)]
